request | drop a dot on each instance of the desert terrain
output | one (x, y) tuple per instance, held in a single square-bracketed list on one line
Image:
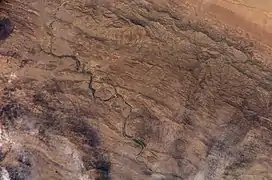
[(136, 90)]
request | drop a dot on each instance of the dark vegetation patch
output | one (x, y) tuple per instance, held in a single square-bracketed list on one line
[(6, 28), (10, 112), (82, 129), (18, 172)]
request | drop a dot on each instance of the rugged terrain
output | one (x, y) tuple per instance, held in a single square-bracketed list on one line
[(136, 90)]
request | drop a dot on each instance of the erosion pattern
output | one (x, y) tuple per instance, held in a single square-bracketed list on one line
[(104, 89)]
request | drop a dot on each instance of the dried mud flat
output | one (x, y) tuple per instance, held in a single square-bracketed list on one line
[(104, 89)]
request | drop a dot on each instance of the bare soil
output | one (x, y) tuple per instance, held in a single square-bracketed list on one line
[(135, 90)]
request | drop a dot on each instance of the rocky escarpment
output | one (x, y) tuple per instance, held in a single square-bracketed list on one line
[(131, 90)]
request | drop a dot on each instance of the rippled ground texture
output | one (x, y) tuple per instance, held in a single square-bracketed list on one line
[(134, 90)]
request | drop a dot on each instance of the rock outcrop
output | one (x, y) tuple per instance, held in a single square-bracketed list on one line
[(136, 90)]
